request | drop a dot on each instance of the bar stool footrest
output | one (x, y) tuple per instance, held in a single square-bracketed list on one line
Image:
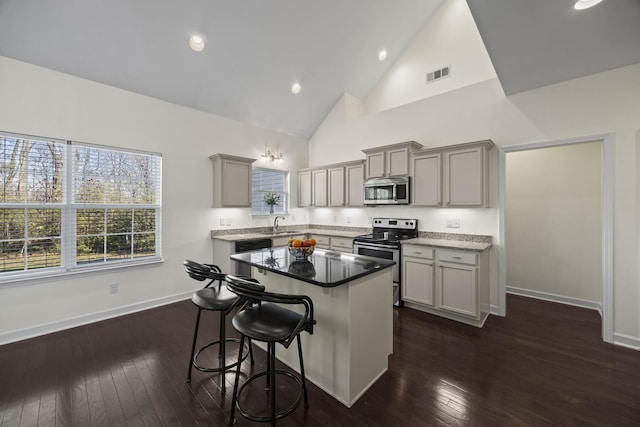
[(280, 414), (221, 368)]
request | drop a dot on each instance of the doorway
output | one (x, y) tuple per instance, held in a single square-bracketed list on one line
[(604, 283)]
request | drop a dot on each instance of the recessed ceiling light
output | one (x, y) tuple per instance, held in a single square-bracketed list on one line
[(585, 4), (382, 55), (196, 43), (296, 88)]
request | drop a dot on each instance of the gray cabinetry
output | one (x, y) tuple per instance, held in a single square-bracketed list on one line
[(449, 283), (389, 160), (231, 181), (453, 176), (304, 188), (354, 185), (418, 274), (319, 187)]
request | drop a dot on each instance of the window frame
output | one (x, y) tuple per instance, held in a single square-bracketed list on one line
[(68, 212), (287, 193)]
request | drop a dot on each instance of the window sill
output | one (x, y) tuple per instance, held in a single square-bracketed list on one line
[(31, 278)]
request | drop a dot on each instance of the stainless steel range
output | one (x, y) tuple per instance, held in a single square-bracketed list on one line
[(385, 242)]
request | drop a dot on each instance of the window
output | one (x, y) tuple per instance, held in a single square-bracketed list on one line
[(266, 182), (67, 205)]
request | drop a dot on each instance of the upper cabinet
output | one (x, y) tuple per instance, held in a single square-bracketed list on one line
[(335, 185), (304, 188), (354, 185), (231, 181), (426, 173), (319, 187), (453, 176), (389, 160)]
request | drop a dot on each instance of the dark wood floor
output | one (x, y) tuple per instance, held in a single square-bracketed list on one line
[(544, 364)]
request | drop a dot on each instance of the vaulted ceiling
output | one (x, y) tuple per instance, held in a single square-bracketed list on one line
[(256, 49)]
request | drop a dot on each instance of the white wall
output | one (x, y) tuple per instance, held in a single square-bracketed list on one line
[(42, 102), (605, 103), (451, 39), (554, 221)]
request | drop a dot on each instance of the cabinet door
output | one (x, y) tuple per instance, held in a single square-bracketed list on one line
[(336, 186), (355, 185), (376, 165), (304, 189), (236, 183), (342, 244), (458, 289), (319, 185), (464, 177), (397, 162), (417, 280), (322, 242), (426, 184)]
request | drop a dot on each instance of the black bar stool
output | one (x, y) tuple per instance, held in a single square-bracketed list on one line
[(262, 319), (214, 298)]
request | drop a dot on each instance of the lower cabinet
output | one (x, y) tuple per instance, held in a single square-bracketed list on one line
[(283, 240), (449, 283), (418, 275), (335, 243)]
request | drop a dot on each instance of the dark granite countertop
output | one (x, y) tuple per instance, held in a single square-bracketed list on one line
[(322, 268)]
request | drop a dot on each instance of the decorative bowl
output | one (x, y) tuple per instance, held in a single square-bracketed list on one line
[(301, 252)]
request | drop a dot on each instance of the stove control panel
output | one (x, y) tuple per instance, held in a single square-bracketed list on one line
[(401, 223)]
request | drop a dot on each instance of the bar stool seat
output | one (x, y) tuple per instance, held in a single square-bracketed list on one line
[(213, 298), (264, 320)]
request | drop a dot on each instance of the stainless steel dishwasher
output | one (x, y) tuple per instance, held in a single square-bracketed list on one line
[(248, 246)]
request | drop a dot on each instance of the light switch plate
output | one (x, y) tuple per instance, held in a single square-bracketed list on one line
[(453, 223)]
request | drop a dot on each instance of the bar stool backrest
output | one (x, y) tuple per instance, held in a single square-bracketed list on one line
[(252, 291), (202, 272)]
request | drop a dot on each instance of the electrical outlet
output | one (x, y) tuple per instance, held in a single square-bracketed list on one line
[(221, 221), (227, 222), (369, 220), (348, 220), (113, 288), (335, 219), (453, 223)]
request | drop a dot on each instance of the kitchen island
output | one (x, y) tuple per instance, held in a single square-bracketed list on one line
[(352, 298)]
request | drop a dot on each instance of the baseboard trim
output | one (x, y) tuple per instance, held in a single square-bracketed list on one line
[(495, 310), (578, 302), (626, 341), (47, 328)]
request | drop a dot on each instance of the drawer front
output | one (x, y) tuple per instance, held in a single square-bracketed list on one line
[(282, 241), (470, 258), (417, 251), (322, 241), (342, 243)]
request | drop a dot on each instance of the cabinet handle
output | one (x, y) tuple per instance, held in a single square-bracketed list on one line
[(417, 253), (456, 257)]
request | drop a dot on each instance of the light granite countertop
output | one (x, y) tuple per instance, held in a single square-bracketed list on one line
[(261, 235), (449, 244), (465, 242)]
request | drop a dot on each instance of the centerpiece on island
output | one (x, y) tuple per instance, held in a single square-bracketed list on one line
[(301, 249)]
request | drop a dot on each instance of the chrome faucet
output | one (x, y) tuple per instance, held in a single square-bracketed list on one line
[(275, 223)]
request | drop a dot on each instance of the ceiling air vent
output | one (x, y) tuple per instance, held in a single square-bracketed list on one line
[(438, 74)]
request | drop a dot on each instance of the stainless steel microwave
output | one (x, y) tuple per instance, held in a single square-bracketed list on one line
[(387, 191)]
